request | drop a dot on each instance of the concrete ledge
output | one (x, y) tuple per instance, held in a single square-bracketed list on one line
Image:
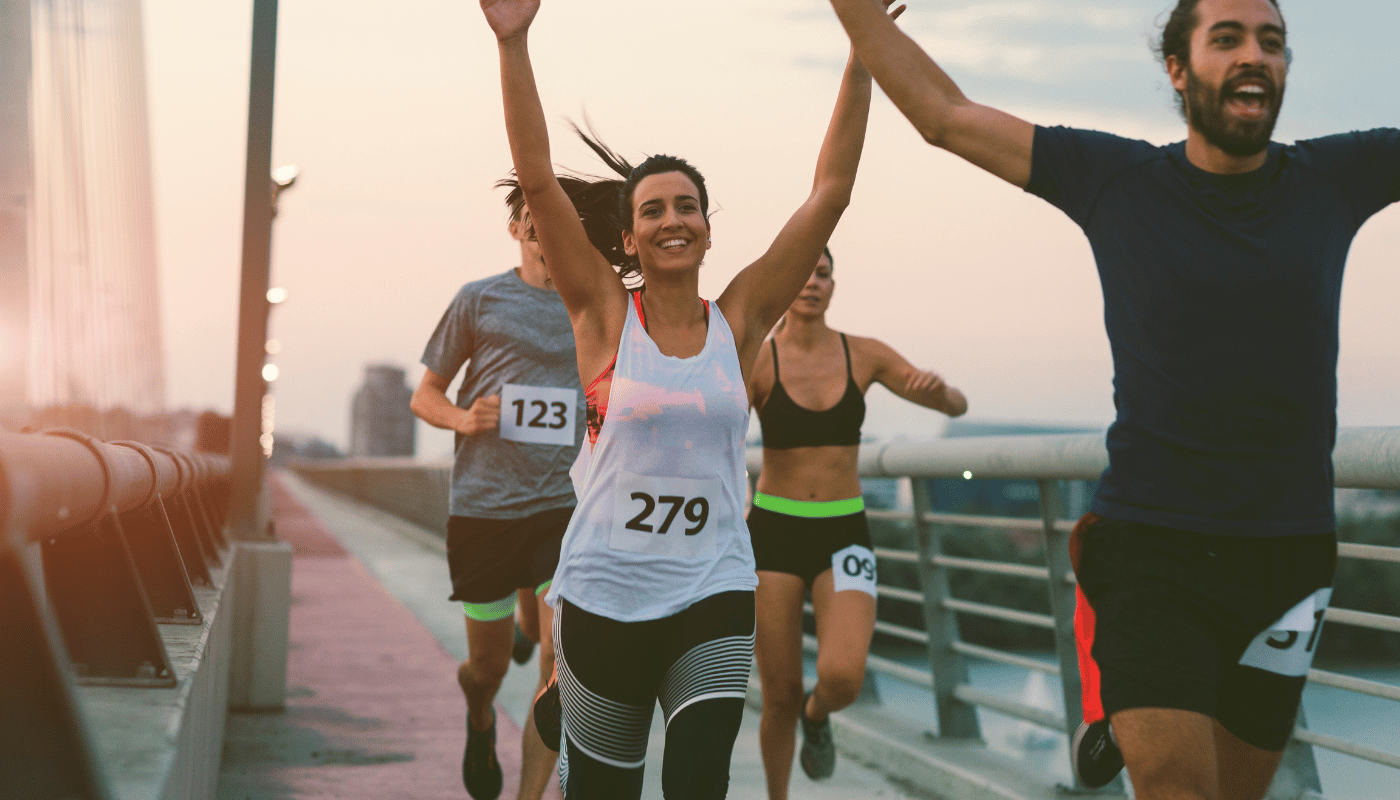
[(951, 769), (166, 743)]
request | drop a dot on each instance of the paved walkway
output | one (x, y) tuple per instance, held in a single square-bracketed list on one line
[(373, 708)]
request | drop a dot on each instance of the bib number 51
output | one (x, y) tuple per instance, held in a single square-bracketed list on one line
[(1288, 646), (665, 516)]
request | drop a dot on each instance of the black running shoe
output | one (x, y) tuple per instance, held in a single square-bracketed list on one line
[(549, 714), (818, 756), (1097, 759), (523, 648), (481, 772)]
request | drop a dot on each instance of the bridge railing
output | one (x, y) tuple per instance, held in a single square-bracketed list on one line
[(99, 544), (1365, 458)]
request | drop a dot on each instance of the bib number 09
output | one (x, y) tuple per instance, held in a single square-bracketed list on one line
[(697, 510)]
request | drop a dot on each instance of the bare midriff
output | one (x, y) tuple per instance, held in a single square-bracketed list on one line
[(811, 474)]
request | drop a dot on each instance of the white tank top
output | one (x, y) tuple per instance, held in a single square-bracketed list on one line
[(660, 518)]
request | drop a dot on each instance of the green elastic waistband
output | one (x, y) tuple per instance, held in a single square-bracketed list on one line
[(805, 508)]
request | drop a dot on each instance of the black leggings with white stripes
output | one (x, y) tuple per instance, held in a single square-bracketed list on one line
[(611, 675)]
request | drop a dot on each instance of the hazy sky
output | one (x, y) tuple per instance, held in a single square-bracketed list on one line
[(395, 119)]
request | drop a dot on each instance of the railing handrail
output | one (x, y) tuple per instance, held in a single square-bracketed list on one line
[(1364, 458), (60, 480)]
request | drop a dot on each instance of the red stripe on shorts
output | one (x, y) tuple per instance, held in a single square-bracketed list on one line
[(1090, 695)]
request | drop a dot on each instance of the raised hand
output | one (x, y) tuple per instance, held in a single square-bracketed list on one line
[(509, 18), (855, 60)]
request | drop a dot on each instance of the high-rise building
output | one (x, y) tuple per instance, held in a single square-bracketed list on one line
[(381, 423)]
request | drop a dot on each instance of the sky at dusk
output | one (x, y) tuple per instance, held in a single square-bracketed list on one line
[(393, 113)]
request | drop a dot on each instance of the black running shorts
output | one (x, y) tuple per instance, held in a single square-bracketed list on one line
[(490, 558), (1222, 625), (804, 546)]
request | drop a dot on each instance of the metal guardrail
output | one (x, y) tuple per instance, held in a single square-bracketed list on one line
[(99, 542), (1364, 458)]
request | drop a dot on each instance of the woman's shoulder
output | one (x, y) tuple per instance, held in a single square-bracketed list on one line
[(867, 348)]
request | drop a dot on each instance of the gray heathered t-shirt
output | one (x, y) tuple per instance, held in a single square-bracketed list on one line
[(508, 332)]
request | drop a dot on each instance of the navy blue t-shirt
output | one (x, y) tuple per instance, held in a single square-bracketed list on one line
[(1221, 300)]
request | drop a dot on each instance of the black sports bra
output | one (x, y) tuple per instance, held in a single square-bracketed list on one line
[(787, 425)]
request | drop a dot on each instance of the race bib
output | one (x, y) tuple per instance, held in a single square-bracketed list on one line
[(538, 414), (853, 568), (666, 516), (1287, 647)]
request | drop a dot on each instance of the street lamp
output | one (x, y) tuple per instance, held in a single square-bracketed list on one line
[(282, 179)]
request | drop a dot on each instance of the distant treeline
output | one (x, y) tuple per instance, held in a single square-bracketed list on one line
[(1360, 585)]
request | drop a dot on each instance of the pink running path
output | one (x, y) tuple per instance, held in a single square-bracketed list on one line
[(373, 708)]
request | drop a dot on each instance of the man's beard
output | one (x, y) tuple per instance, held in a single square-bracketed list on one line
[(1206, 113)]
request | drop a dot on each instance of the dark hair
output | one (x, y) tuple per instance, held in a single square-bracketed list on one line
[(515, 199), (826, 251), (604, 205), (1176, 37), (593, 200), (611, 204)]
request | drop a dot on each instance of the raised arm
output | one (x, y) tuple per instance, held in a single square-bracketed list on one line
[(586, 282), (758, 295), (991, 139)]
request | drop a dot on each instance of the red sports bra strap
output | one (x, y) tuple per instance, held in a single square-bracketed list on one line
[(606, 373)]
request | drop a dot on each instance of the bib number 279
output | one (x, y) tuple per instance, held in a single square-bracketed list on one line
[(665, 516), (697, 511)]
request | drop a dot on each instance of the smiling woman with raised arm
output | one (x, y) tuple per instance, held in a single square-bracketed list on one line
[(654, 590)]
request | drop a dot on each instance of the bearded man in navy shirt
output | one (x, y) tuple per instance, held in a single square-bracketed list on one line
[(1206, 563)]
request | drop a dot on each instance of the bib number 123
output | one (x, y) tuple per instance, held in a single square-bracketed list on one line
[(538, 414)]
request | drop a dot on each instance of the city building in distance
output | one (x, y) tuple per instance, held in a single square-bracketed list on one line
[(381, 423)]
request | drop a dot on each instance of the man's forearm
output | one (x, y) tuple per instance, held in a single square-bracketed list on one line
[(436, 410), (921, 90)]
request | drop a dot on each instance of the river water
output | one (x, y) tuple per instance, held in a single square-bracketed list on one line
[(1371, 721)]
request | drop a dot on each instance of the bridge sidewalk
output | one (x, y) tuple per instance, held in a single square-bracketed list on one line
[(373, 708)]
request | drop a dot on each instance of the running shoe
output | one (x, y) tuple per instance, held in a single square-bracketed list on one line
[(523, 648), (818, 756), (1097, 759), (549, 713), (481, 772)]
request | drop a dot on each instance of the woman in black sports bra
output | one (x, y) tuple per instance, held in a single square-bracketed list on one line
[(807, 523)]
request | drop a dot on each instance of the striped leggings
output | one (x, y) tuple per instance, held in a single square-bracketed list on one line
[(611, 675)]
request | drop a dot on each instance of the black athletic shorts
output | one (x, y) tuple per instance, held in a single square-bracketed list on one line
[(490, 558), (808, 546), (1222, 625)]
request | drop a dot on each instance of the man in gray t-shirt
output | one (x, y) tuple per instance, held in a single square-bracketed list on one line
[(519, 418)]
